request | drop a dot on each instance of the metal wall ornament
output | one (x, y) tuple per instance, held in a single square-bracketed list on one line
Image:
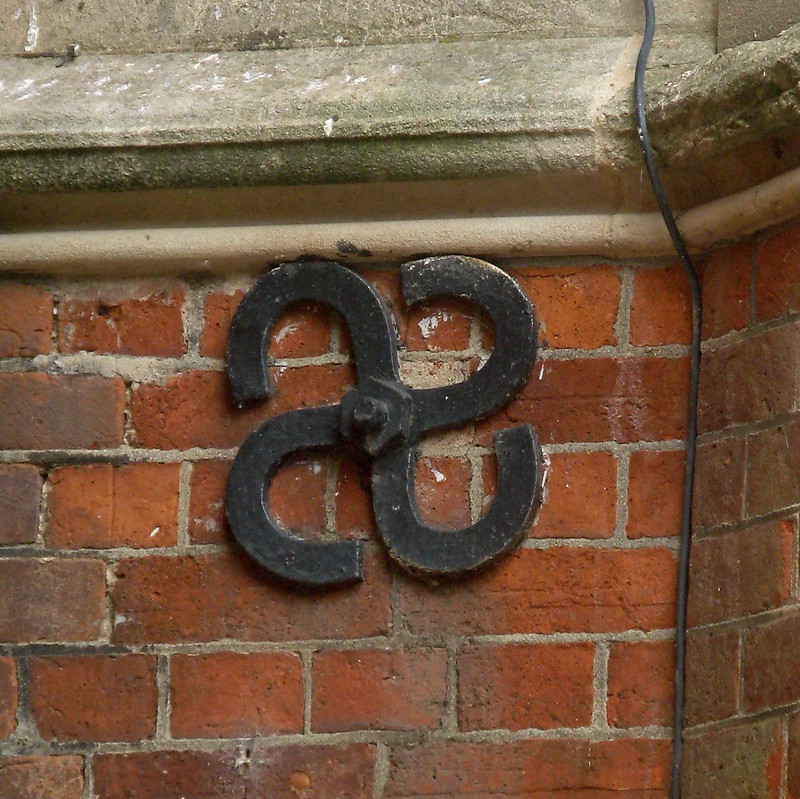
[(383, 419)]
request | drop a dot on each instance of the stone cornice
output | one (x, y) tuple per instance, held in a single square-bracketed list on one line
[(515, 148), (328, 115), (403, 112)]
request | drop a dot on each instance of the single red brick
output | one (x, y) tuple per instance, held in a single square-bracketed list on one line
[(777, 287), (145, 504), (655, 494), (580, 498), (750, 381), (719, 484), (51, 600), (8, 697), (172, 775), (575, 306), (209, 597), (195, 409), (712, 675), (296, 495), (736, 574), (20, 495), (641, 683), (794, 757), (520, 686), (601, 399), (308, 772), (104, 506), (771, 653), (81, 505), (661, 309), (439, 327), (46, 777), (743, 761), (140, 320), (353, 498), (726, 289), (304, 330), (207, 483), (94, 697), (774, 466), (40, 411), (531, 768), (242, 695), (560, 589), (26, 320), (441, 491), (314, 772), (371, 689)]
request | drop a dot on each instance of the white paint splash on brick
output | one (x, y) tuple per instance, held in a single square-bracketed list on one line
[(429, 323), (286, 330)]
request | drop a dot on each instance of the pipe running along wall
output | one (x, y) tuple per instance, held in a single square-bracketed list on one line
[(142, 251)]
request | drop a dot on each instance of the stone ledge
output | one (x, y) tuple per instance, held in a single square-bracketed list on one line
[(148, 26), (329, 115), (551, 109)]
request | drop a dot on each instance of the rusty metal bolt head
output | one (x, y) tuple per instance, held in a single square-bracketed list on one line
[(370, 414), (376, 415)]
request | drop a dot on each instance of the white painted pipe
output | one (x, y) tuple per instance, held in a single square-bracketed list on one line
[(164, 250)]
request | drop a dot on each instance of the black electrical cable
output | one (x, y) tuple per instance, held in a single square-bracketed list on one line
[(691, 443)]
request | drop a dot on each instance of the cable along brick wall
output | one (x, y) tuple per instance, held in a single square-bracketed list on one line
[(142, 653)]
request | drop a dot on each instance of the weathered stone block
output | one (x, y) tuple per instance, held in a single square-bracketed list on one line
[(743, 21), (103, 26)]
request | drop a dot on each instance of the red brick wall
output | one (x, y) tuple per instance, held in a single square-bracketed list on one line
[(744, 646), (142, 655)]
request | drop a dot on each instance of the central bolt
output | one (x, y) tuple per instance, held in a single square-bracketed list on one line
[(370, 414)]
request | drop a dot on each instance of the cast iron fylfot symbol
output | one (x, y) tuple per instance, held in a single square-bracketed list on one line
[(384, 419)]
